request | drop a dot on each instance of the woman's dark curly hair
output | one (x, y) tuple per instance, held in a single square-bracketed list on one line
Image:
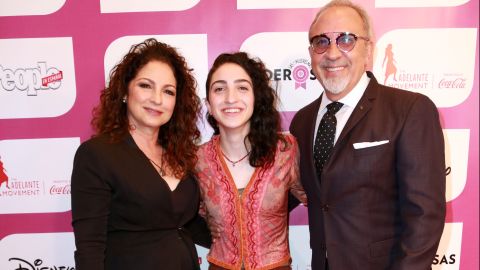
[(179, 136), (265, 121)]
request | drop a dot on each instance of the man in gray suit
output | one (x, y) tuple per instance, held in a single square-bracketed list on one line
[(375, 171)]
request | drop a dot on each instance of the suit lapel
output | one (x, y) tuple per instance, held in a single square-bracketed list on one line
[(310, 134), (362, 108), (312, 119)]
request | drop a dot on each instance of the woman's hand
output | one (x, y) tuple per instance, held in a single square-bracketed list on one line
[(216, 229)]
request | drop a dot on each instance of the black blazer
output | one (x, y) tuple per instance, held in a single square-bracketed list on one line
[(124, 215), (380, 207)]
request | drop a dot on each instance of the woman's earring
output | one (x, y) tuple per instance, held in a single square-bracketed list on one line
[(124, 99)]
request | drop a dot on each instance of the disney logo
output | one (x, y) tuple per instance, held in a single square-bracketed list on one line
[(36, 265)]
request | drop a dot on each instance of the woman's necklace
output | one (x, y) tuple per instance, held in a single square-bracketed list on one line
[(234, 162), (162, 172)]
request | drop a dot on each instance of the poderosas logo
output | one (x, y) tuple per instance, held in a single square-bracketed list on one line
[(298, 71), (3, 175), (32, 80), (444, 259)]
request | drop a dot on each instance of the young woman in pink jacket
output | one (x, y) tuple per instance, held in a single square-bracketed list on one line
[(248, 168)]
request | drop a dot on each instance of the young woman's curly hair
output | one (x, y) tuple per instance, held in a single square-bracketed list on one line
[(265, 121), (179, 136)]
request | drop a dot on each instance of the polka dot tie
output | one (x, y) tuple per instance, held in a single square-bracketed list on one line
[(325, 136)]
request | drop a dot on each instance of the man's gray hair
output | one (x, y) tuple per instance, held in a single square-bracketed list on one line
[(347, 3)]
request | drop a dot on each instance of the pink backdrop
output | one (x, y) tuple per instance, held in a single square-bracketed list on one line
[(226, 28)]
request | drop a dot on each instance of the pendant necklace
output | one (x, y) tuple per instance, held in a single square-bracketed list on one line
[(162, 172), (237, 161)]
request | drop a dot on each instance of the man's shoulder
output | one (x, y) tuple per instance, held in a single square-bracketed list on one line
[(401, 102), (306, 110), (303, 116)]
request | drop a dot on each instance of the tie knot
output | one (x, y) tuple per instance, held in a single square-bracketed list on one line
[(334, 107)]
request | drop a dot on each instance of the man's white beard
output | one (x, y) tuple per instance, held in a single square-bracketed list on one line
[(335, 85)]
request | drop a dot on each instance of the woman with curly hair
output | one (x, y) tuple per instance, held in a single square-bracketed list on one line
[(133, 187), (247, 169)]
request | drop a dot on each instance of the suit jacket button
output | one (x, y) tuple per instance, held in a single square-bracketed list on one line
[(179, 230), (325, 207)]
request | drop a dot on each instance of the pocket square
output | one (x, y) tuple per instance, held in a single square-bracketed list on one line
[(361, 145)]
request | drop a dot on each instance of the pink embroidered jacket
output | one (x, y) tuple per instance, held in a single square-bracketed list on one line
[(255, 228)]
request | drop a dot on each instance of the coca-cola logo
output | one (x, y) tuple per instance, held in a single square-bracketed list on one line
[(452, 83), (31, 79), (21, 264), (60, 190)]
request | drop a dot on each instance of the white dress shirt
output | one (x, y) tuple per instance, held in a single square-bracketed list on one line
[(349, 101)]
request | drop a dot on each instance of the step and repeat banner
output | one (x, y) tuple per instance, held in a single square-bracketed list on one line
[(56, 54)]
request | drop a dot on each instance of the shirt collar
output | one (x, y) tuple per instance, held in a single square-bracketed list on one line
[(352, 98)]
